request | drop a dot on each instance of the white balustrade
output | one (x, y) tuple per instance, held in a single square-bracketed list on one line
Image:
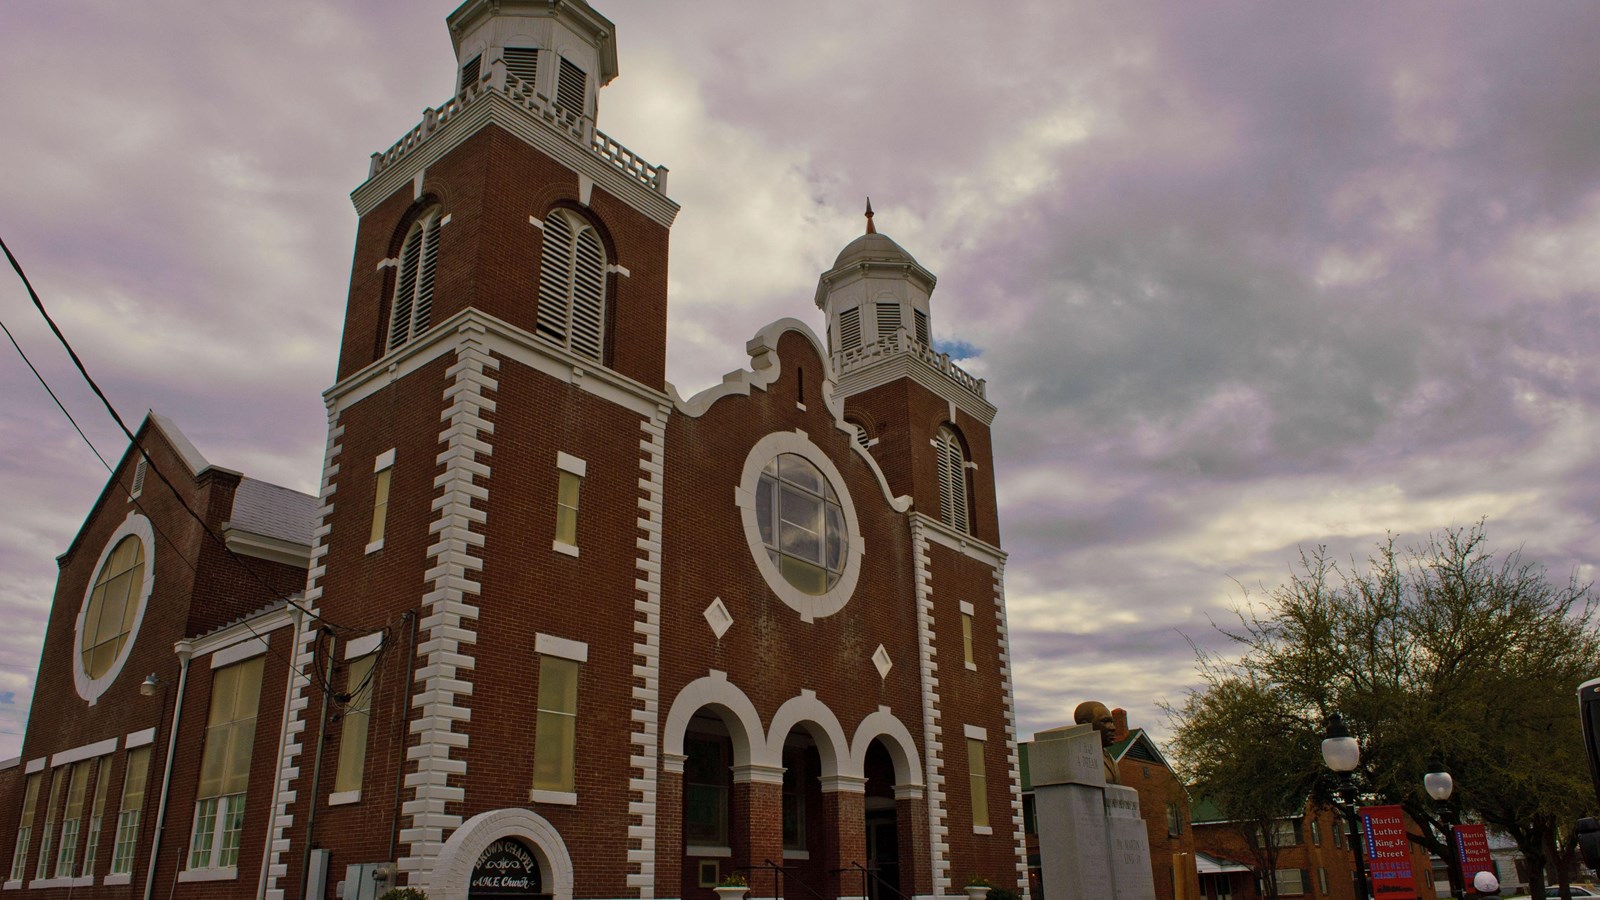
[(899, 342), (522, 93)]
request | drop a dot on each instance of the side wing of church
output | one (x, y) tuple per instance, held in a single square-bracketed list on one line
[(563, 632)]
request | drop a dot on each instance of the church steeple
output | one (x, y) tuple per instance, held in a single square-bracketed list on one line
[(874, 292)]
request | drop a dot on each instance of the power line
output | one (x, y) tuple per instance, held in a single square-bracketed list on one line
[(150, 463)]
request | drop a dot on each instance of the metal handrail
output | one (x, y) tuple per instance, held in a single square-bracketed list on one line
[(867, 873), (781, 879)]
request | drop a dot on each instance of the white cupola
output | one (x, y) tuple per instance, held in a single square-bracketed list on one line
[(561, 51), (874, 293)]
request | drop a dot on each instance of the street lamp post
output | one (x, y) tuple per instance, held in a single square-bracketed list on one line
[(1440, 786), (1342, 753)]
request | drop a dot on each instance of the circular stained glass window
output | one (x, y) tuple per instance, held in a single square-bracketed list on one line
[(802, 524), (114, 604)]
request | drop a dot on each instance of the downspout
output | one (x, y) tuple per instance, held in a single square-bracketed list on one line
[(277, 772), (316, 768), (166, 777)]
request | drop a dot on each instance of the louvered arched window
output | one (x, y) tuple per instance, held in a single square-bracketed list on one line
[(413, 288), (572, 285), (952, 480)]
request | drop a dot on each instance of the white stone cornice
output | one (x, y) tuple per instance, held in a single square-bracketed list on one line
[(502, 338), (938, 532), (868, 375)]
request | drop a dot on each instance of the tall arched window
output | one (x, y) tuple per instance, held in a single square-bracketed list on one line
[(952, 480), (572, 285), (413, 289)]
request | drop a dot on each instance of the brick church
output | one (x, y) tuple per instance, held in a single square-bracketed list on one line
[(549, 628)]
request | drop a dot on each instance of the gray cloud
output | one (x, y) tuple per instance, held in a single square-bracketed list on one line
[(1243, 277)]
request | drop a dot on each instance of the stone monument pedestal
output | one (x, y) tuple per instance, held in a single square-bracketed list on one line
[(1092, 841)]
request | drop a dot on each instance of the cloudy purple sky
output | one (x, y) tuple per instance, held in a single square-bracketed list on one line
[(1242, 277)]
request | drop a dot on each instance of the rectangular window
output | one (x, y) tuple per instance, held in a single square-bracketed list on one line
[(966, 640), (470, 73), (97, 812), (980, 783), (1030, 818), (130, 810), (1291, 881), (58, 781), (567, 509), (572, 87), (72, 822), (1322, 879), (706, 780), (225, 765), (353, 728), (888, 319), (523, 63), (555, 734), (850, 329), (794, 798), (383, 470), (1316, 833), (1174, 819), (30, 804)]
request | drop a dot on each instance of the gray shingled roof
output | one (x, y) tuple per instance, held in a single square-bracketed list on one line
[(273, 511)]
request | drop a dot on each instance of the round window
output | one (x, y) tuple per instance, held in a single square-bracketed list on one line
[(800, 523), (113, 607), (113, 603)]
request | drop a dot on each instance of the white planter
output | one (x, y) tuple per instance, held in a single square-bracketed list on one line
[(732, 892), (976, 891)]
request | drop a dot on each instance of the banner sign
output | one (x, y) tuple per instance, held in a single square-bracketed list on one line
[(1472, 849), (1388, 853)]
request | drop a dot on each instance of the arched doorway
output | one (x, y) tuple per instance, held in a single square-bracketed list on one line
[(883, 826)]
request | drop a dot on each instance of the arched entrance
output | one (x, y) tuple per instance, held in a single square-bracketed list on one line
[(503, 854), (894, 812), (506, 870)]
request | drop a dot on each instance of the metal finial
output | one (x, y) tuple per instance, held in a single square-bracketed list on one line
[(871, 229)]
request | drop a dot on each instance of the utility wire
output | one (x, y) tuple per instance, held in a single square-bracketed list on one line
[(204, 526), (176, 550)]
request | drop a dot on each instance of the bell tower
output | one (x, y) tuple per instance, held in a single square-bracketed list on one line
[(508, 199), (922, 417)]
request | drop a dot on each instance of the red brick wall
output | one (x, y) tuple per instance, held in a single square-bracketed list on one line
[(904, 417), (488, 253)]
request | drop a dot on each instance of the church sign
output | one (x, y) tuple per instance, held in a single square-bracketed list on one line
[(506, 869)]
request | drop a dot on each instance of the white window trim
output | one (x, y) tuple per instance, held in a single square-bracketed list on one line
[(568, 463), (555, 798), (797, 854), (707, 850), (112, 880), (11, 885), (229, 873), (362, 646), (564, 547), (344, 798), (967, 608), (983, 829), (247, 649), (87, 751), (810, 606), (90, 689), (63, 881), (975, 732), (36, 765), (139, 739), (550, 645)]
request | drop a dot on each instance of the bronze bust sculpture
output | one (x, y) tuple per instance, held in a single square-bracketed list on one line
[(1098, 715)]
